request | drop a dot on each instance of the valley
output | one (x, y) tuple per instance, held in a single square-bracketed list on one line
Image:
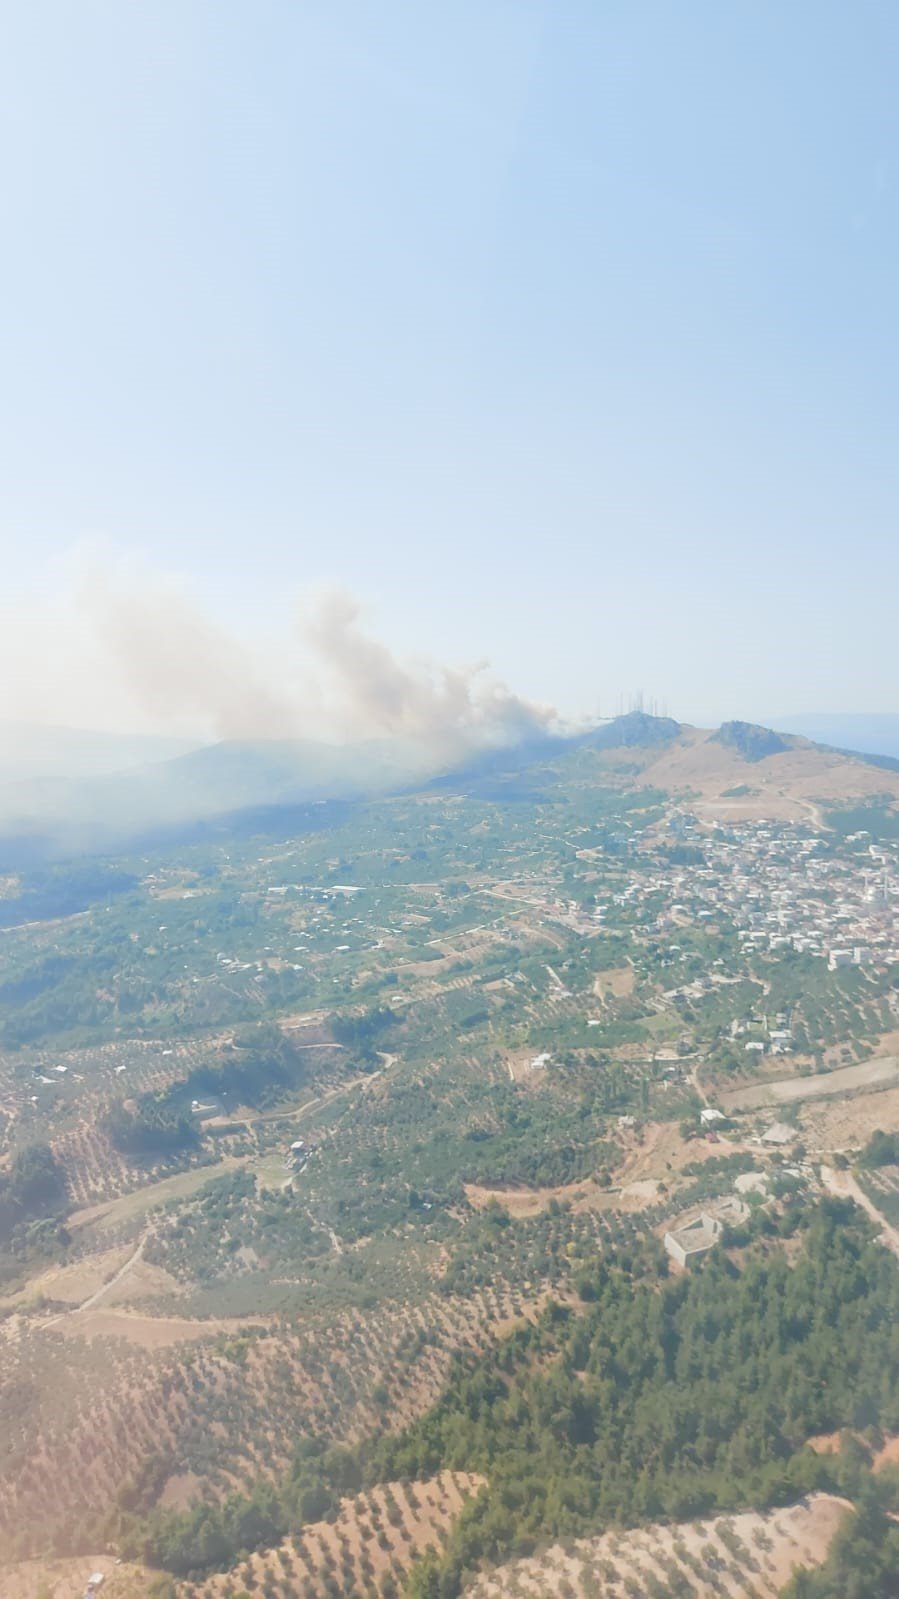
[(308, 1133)]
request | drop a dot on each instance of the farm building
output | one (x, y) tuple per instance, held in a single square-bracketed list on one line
[(686, 1244), (779, 1133)]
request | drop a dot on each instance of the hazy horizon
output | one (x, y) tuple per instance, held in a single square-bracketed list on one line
[(449, 1124), (815, 725), (552, 336)]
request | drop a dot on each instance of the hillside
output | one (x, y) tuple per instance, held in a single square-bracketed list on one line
[(339, 1146), (29, 752), (871, 734), (754, 743), (50, 816), (739, 772), (734, 1556)]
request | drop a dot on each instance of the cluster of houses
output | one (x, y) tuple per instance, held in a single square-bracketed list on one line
[(782, 886), (785, 888)]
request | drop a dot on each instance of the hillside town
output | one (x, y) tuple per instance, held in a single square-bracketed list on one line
[(783, 887), (777, 886)]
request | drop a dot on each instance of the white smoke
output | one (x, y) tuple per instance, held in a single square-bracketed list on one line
[(450, 708), (121, 647), (179, 667)]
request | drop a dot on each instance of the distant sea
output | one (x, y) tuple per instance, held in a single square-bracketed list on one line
[(871, 734)]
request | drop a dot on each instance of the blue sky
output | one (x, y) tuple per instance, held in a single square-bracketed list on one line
[(559, 333)]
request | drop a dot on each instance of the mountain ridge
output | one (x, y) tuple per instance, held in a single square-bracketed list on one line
[(206, 786)]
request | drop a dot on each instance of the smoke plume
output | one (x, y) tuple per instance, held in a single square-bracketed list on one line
[(449, 708), (123, 648), (180, 668)]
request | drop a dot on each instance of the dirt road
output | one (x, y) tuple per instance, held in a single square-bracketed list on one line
[(844, 1186), (881, 1070), (94, 1299)]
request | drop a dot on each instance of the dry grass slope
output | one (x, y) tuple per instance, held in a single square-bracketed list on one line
[(98, 1409), (787, 786)]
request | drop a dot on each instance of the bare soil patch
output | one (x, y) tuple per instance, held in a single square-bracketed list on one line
[(182, 1490), (825, 1443), (150, 1332), (586, 1195), (66, 1579), (617, 981), (659, 1150), (849, 1123), (72, 1284), (144, 1281), (831, 1443), (790, 1090), (888, 1455), (520, 1067)]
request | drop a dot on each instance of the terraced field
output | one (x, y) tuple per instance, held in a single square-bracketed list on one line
[(736, 1556), (224, 1409), (366, 1549)]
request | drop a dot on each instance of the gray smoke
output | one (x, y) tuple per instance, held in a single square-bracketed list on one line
[(448, 709), (124, 648), (180, 668)]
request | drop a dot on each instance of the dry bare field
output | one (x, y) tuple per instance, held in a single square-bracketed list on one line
[(785, 787), (587, 1195), (849, 1123), (66, 1579), (152, 1332), (732, 1555), (72, 1284), (790, 1090), (616, 980), (114, 1213)]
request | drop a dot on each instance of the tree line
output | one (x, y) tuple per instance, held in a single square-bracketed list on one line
[(662, 1398)]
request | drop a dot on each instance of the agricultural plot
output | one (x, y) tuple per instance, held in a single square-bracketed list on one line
[(366, 1549), (223, 1411), (735, 1556), (96, 1170), (847, 1124), (226, 1408), (882, 1186), (791, 1090), (495, 1011)]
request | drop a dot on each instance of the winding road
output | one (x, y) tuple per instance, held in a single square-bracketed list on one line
[(103, 1290), (845, 1186)]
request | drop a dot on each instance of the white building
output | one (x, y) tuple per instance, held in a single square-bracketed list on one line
[(686, 1244)]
